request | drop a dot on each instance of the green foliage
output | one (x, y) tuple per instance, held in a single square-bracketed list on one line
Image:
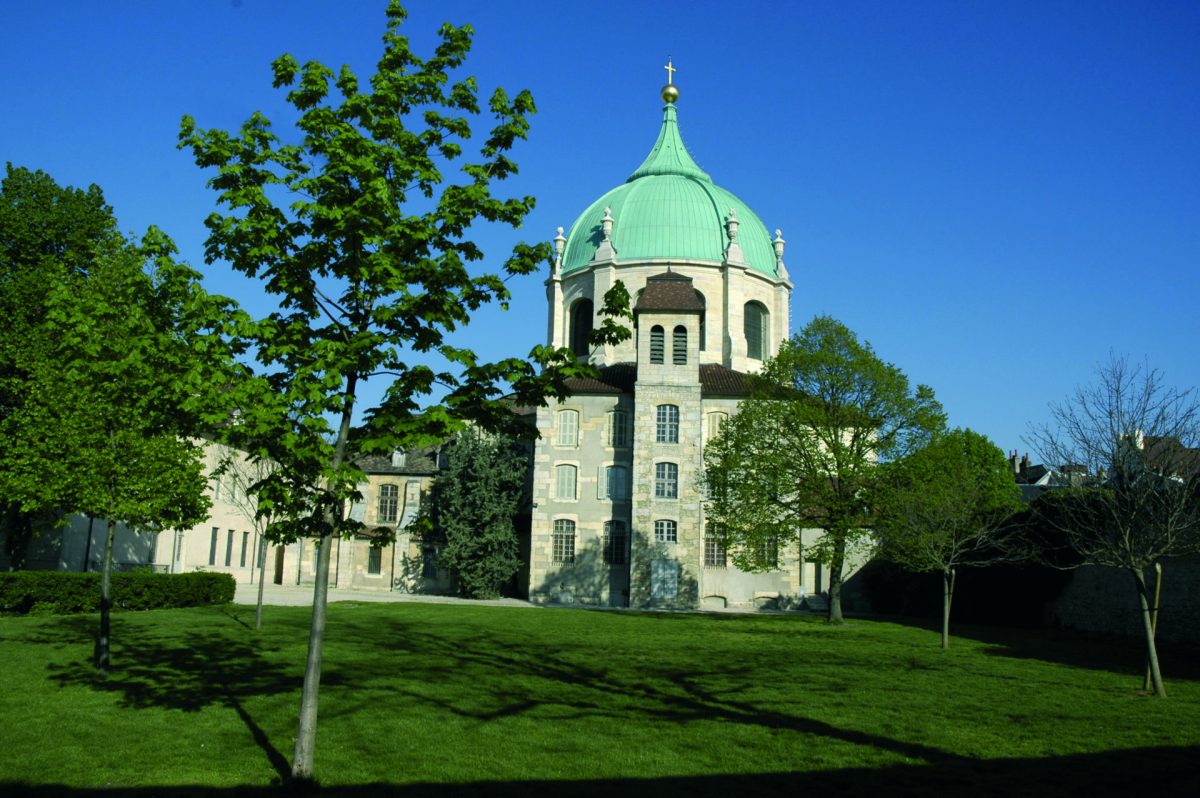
[(801, 452), (474, 501), (54, 592), (359, 225), (946, 504), (125, 357), (49, 235)]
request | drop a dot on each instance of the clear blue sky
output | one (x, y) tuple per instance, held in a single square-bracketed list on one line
[(993, 194)]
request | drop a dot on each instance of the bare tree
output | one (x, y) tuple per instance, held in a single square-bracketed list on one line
[(1139, 437)]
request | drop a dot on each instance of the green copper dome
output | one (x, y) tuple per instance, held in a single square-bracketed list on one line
[(669, 208)]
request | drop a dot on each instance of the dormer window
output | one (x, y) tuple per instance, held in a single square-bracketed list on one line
[(657, 343)]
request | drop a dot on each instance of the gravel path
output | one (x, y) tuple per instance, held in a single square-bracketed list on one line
[(298, 596)]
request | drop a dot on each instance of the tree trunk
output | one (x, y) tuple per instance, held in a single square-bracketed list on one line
[(836, 563), (1158, 577), (306, 733), (1147, 626), (262, 574), (18, 529), (948, 576), (102, 645)]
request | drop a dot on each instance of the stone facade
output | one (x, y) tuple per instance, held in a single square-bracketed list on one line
[(711, 304)]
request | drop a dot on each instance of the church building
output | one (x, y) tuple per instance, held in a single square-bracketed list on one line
[(618, 516)]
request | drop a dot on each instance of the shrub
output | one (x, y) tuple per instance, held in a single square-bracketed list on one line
[(54, 592)]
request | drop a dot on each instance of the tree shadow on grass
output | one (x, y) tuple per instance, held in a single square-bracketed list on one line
[(562, 690), (1077, 649), (190, 671), (1170, 770)]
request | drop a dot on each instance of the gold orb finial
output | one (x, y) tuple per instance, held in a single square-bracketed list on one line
[(669, 92)]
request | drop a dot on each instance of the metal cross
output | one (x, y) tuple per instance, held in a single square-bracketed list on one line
[(670, 72)]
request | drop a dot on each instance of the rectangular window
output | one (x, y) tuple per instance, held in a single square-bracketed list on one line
[(568, 428), (216, 487), (715, 420), (429, 563), (212, 546), (714, 552), (389, 503), (618, 429), (615, 479), (666, 481), (565, 479), (374, 560), (664, 580), (666, 532), (767, 553), (229, 549), (563, 542), (666, 427), (245, 546), (616, 542)]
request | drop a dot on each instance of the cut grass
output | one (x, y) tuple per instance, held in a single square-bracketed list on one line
[(524, 700)]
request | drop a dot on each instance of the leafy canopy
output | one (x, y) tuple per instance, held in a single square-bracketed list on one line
[(946, 504), (121, 357), (359, 226), (802, 451)]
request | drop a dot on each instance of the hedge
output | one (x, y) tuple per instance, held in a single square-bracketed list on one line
[(56, 592)]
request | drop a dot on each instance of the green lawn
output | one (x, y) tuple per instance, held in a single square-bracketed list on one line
[(426, 699)]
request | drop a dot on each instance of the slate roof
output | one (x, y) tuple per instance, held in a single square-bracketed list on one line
[(417, 462), (670, 292), (716, 380), (615, 379), (619, 378)]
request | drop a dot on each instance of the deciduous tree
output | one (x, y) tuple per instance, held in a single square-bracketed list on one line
[(359, 225), (49, 235), (1139, 438), (124, 369), (801, 452), (945, 506)]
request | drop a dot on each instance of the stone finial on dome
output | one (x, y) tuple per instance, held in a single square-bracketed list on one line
[(560, 244), (777, 243), (733, 252), (605, 251)]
